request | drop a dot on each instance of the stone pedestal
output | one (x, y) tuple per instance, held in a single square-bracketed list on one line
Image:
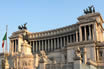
[(42, 65), (77, 59), (24, 59), (77, 64), (5, 64), (43, 60)]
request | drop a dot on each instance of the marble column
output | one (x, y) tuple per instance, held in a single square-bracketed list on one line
[(93, 32), (61, 41), (80, 32), (51, 44), (76, 36), (48, 45), (64, 42), (54, 43), (85, 33), (89, 32), (57, 42)]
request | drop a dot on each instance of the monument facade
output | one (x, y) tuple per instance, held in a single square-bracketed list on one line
[(77, 45)]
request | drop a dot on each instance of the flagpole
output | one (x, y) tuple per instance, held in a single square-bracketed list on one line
[(6, 37)]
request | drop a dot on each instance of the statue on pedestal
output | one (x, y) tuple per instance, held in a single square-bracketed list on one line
[(22, 27), (77, 54), (90, 9), (43, 57)]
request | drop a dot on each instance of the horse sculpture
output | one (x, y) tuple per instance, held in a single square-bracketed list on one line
[(90, 9), (22, 27)]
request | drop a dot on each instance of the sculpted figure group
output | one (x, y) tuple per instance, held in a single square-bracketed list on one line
[(22, 27), (90, 9)]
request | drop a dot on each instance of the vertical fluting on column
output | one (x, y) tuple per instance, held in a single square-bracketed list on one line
[(89, 32), (85, 33)]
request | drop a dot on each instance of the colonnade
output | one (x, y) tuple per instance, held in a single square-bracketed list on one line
[(14, 45), (87, 32), (51, 44)]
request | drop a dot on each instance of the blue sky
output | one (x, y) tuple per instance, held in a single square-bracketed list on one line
[(42, 15)]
